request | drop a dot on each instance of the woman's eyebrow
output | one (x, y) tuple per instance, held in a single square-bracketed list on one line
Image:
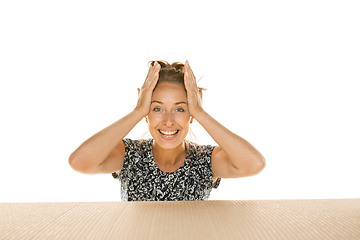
[(180, 103), (155, 101)]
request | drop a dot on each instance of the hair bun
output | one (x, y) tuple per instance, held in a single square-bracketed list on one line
[(174, 73), (178, 66), (162, 63)]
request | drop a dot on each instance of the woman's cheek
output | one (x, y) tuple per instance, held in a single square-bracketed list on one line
[(183, 120), (155, 117)]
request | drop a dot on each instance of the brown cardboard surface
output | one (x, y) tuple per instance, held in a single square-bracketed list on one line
[(241, 219)]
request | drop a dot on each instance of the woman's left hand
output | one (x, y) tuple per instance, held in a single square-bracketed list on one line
[(194, 94)]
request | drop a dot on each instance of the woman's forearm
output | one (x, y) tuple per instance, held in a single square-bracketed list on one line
[(98, 147), (102, 146), (239, 151)]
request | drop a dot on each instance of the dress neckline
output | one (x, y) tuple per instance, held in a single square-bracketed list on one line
[(157, 167)]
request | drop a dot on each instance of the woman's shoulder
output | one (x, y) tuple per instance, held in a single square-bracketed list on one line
[(200, 150), (138, 144)]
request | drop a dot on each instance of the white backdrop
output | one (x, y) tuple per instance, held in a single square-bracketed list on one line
[(282, 74)]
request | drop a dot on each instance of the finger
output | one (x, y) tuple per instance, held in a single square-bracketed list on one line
[(189, 76), (153, 77), (152, 74), (148, 75), (190, 71), (153, 68), (187, 81)]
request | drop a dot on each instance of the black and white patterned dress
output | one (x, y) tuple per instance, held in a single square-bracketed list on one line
[(142, 180)]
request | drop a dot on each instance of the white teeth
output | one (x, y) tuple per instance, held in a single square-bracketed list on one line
[(168, 132)]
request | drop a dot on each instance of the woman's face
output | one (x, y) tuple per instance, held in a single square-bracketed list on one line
[(169, 117)]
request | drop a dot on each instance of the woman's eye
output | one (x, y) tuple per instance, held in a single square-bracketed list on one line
[(180, 110), (156, 109)]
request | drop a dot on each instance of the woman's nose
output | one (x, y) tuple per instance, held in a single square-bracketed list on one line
[(168, 119)]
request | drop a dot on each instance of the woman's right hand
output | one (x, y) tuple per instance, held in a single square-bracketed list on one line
[(145, 93)]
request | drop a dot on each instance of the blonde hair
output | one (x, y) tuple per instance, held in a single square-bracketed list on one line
[(173, 73)]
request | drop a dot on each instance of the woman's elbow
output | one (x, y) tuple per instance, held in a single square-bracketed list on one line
[(74, 163), (79, 165), (262, 164), (259, 163)]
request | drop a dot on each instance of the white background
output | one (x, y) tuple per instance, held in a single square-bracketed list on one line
[(282, 74)]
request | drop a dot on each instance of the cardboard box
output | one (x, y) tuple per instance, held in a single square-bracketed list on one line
[(249, 219)]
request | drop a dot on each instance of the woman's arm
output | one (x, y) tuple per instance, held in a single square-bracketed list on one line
[(235, 157), (104, 152)]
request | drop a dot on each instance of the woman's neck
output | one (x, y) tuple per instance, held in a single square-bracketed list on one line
[(169, 157)]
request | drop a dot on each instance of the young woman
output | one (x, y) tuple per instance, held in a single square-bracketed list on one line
[(167, 167)]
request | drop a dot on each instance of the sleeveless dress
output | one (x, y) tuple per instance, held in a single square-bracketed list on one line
[(142, 180)]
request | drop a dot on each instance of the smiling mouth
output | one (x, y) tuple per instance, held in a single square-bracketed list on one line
[(168, 133)]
